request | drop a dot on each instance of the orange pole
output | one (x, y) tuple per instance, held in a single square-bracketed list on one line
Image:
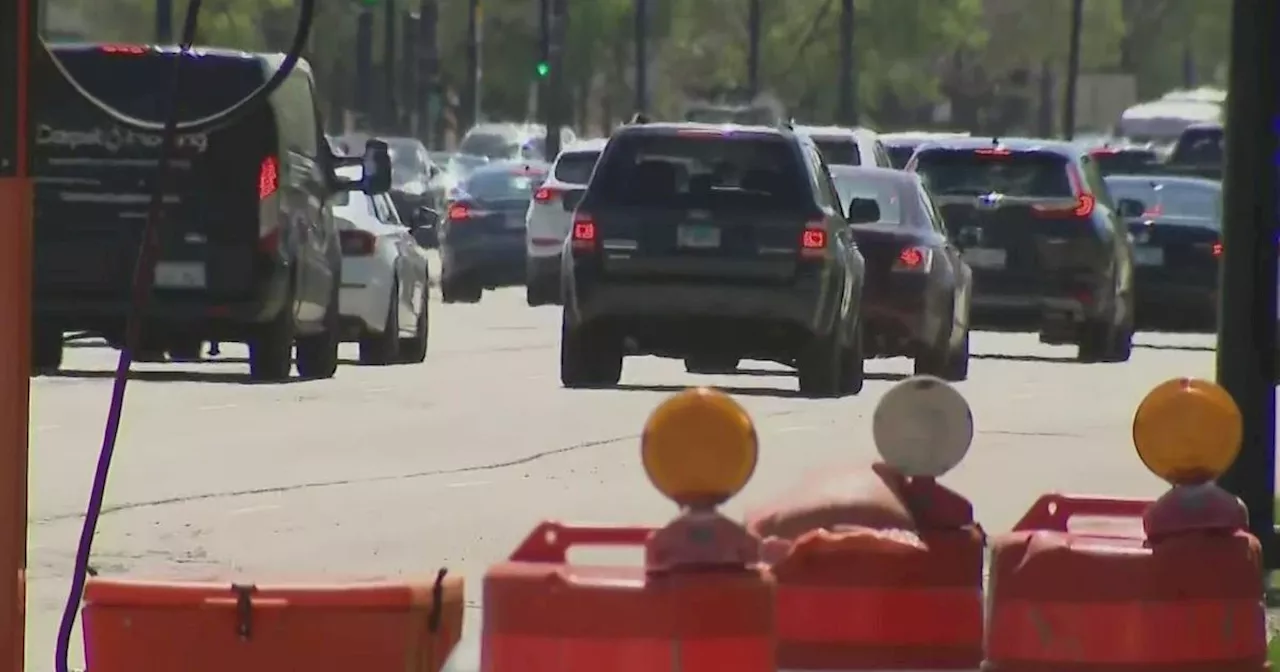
[(17, 29)]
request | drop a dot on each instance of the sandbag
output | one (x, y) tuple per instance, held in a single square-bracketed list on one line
[(859, 497)]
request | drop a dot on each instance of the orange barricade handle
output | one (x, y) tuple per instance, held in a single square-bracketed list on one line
[(1053, 511), (550, 541)]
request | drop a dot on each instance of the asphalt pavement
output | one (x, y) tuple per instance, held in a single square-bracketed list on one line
[(386, 471)]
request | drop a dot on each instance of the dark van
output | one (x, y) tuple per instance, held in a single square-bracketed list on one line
[(248, 251)]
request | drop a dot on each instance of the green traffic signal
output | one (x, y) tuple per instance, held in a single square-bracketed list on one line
[(543, 69)]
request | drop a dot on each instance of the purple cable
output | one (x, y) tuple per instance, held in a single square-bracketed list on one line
[(143, 281)]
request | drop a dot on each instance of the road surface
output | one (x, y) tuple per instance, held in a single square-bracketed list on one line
[(387, 471)]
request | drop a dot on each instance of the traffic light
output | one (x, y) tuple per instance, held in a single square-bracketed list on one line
[(543, 69)]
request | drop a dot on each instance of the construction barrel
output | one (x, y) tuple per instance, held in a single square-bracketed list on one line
[(872, 589), (1112, 585), (702, 602)]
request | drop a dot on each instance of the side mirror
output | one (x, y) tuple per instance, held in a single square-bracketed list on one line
[(376, 162), (1129, 208)]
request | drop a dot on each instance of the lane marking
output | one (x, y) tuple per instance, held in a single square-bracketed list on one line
[(255, 509), (217, 407), (467, 484)]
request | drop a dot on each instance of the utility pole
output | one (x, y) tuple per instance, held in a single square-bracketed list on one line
[(642, 55), (363, 85), (164, 22), (18, 44), (542, 69), (390, 103), (1073, 70), (408, 108), (1247, 308), (556, 97), (848, 114), (475, 44), (754, 20), (429, 94)]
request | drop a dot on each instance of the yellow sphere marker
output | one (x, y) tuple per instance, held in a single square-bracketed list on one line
[(923, 427), (1188, 431), (699, 447)]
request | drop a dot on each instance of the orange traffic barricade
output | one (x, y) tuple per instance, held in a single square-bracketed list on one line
[(701, 603), (133, 626), (865, 594), (1169, 585)]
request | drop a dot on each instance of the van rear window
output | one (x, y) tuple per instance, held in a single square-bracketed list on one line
[(970, 172), (702, 171)]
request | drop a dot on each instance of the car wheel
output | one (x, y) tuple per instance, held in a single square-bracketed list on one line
[(1095, 340), (819, 366), (1121, 346), (46, 349), (945, 362), (853, 372), (186, 350), (589, 357), (456, 290), (414, 350), (318, 354), (381, 349), (271, 349), (711, 364)]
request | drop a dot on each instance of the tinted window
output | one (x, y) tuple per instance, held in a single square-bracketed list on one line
[(503, 185), (710, 171), (1199, 145), (969, 172), (1170, 199), (576, 168), (899, 155), (842, 151), (490, 144), (858, 186)]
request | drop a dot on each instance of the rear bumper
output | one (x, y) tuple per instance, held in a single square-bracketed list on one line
[(899, 320), (497, 260)]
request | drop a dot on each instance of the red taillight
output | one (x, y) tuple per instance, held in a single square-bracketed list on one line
[(357, 243), (268, 177), (1154, 211), (458, 212), (1217, 249), (913, 259), (131, 49), (994, 151), (583, 235), (1084, 204), (545, 195), (814, 238)]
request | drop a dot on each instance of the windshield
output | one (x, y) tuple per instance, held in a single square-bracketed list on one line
[(1170, 199), (885, 194), (973, 173), (406, 164), (490, 144), (839, 151), (503, 185), (1203, 146), (462, 165)]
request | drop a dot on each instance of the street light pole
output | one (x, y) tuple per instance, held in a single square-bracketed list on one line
[(164, 22), (754, 20), (642, 55), (475, 31), (1073, 70), (848, 113)]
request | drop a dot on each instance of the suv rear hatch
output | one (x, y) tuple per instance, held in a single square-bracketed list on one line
[(1023, 218), (94, 177), (732, 206)]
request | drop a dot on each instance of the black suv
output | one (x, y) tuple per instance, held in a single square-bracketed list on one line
[(1035, 222), (712, 244), (248, 250)]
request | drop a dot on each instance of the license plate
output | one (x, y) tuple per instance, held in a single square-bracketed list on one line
[(180, 274), (1148, 256), (515, 221), (698, 237), (985, 257)]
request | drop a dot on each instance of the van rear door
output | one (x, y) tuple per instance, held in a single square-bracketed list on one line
[(94, 176)]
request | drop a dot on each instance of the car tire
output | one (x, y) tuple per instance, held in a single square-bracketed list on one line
[(819, 367), (186, 350), (383, 348), (455, 290), (46, 349), (318, 353), (951, 365), (1096, 338), (853, 362), (414, 350), (709, 365), (1121, 345), (589, 357)]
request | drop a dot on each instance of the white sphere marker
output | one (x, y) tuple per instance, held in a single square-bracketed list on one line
[(923, 427)]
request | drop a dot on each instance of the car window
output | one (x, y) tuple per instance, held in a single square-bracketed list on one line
[(576, 167), (825, 189), (969, 172), (503, 185), (839, 151), (1171, 199), (705, 171), (899, 155), (391, 215), (930, 211), (1199, 146), (296, 114), (884, 193), (492, 145)]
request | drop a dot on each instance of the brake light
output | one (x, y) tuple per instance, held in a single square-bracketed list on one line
[(993, 151), (1084, 204), (458, 212), (131, 49), (357, 243), (583, 236), (268, 177), (1104, 151), (1217, 249), (1154, 211), (914, 259), (813, 240), (545, 195)]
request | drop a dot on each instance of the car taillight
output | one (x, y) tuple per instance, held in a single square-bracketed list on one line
[(1083, 205), (131, 49), (459, 212), (582, 237), (268, 177), (357, 243), (546, 195), (813, 240), (1217, 249), (914, 260)]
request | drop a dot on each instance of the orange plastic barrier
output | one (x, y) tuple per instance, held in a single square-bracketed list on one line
[(542, 614), (1112, 600), (159, 627), (886, 600)]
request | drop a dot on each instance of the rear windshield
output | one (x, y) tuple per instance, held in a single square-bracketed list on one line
[(576, 168), (842, 151), (1170, 199), (884, 194), (712, 171), (899, 155), (503, 185), (973, 173), (1124, 160), (1201, 146), (490, 144)]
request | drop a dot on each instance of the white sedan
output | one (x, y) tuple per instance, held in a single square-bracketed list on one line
[(384, 293)]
